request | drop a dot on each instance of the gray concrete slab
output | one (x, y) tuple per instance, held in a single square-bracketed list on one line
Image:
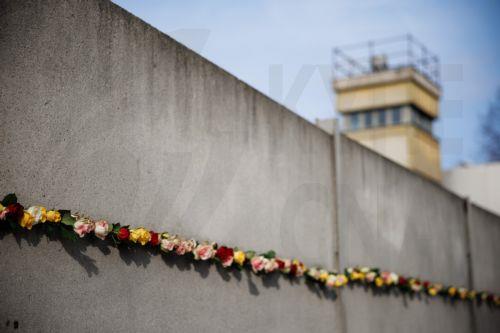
[(485, 248), (396, 220)]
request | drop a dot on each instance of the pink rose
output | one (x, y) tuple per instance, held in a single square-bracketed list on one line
[(258, 263), (83, 226), (203, 252), (102, 228)]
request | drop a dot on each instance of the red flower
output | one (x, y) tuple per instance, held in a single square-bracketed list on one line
[(293, 269), (155, 238), (123, 234), (402, 281), (281, 264), (13, 212), (225, 255), (426, 284)]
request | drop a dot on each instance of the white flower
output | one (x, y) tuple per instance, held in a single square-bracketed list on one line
[(102, 229), (39, 214)]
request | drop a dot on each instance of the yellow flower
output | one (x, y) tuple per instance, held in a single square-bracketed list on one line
[(1, 207), (452, 291), (323, 275), (341, 280), (432, 291), (239, 257), (472, 294), (379, 282), (357, 276), (462, 293), (27, 221), (140, 235), (53, 216)]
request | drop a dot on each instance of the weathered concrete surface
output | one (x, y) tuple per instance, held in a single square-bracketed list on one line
[(394, 219), (485, 249), (82, 287), (103, 114)]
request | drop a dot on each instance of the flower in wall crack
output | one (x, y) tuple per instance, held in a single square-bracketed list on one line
[(102, 229), (462, 293), (204, 252), (225, 255), (13, 212), (27, 221), (341, 280), (123, 233), (313, 273), (154, 238), (389, 278), (323, 275), (53, 216), (239, 257), (169, 243), (270, 265), (140, 235), (370, 277), (83, 226), (331, 281), (298, 268), (185, 246), (39, 214), (258, 263), (284, 265), (415, 285)]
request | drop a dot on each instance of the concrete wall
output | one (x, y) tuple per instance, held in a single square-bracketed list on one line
[(103, 114), (485, 250), (394, 219)]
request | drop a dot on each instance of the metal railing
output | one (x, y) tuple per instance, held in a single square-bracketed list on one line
[(389, 53)]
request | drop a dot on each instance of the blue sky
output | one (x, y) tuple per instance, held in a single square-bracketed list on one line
[(283, 48)]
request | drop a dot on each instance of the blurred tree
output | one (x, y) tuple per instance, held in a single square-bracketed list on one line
[(490, 126)]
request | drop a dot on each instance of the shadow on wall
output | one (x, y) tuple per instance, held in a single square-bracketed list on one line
[(141, 256)]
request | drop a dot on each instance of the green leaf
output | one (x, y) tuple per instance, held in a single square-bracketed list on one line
[(116, 228), (249, 254), (66, 218), (68, 234), (9, 199), (269, 254)]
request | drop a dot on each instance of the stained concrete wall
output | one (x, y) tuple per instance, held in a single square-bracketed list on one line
[(103, 114)]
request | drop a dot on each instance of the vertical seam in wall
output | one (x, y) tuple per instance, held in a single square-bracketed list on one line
[(468, 256), (337, 220)]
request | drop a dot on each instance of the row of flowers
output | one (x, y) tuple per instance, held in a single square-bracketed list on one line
[(14, 213)]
